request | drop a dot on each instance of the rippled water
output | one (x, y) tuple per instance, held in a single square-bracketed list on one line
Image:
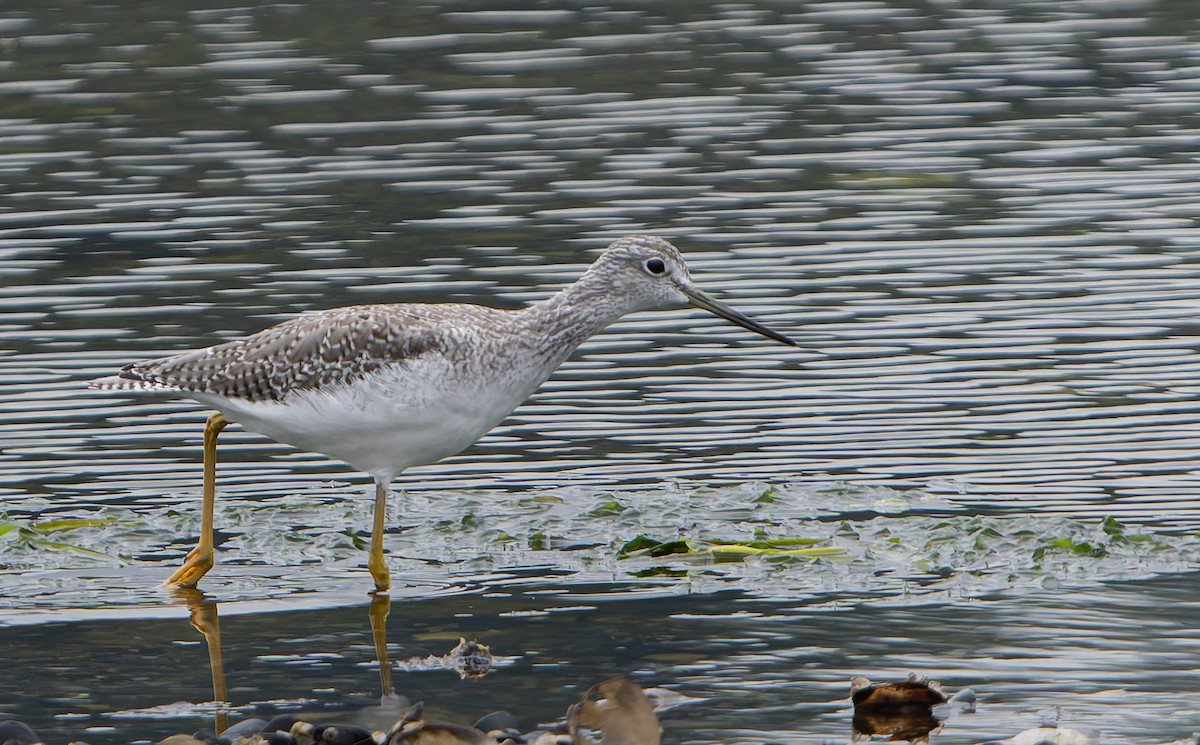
[(742, 670), (978, 218)]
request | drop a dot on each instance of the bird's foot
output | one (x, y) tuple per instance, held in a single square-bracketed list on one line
[(195, 565), (379, 572)]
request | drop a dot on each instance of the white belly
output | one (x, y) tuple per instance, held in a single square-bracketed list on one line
[(404, 416)]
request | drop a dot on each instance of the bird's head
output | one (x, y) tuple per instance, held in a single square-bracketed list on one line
[(648, 272)]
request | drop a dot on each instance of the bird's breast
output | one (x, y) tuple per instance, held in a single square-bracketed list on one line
[(404, 415)]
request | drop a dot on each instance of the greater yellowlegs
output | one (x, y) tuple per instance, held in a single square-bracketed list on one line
[(385, 387)]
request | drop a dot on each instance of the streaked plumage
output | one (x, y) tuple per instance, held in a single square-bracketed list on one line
[(306, 353), (385, 387)]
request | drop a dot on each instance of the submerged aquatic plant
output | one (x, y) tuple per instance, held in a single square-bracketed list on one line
[(643, 545), (822, 542), (1112, 534), (42, 535)]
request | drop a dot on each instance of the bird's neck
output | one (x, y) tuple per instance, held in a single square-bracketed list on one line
[(569, 317)]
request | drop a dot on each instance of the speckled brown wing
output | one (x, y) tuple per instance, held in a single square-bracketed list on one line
[(311, 351)]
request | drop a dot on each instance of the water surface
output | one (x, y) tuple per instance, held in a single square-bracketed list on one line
[(978, 219)]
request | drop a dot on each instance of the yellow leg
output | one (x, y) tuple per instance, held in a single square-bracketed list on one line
[(375, 561), (200, 559), (381, 604)]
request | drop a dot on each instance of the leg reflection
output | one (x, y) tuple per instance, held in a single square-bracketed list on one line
[(203, 615), (381, 605)]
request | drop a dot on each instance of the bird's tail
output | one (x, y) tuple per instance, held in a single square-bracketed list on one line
[(123, 383)]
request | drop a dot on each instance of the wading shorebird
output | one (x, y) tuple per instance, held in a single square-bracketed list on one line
[(385, 387)]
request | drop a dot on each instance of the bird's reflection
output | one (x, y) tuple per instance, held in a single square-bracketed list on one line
[(469, 659), (617, 711), (381, 606), (203, 615), (202, 612)]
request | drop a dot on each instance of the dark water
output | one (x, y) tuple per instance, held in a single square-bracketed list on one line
[(740, 669), (978, 218)]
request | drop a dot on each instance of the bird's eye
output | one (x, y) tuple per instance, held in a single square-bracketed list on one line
[(656, 266)]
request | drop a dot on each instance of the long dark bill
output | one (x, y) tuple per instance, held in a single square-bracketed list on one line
[(702, 299)]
